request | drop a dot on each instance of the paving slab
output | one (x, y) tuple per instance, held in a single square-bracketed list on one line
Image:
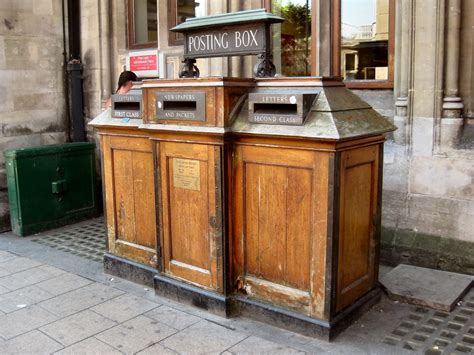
[(135, 334), (23, 321), (19, 264), (80, 299), (388, 328), (4, 290), (13, 301), (28, 277), (124, 307), (34, 293), (89, 346), (33, 342), (63, 283), (204, 337), (157, 349), (77, 327), (5, 256), (426, 287), (4, 272), (172, 317), (249, 346)]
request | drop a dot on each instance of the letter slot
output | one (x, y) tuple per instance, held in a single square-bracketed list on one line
[(186, 106), (179, 105), (280, 108), (275, 109), (127, 106)]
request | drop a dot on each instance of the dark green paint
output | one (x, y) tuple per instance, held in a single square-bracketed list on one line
[(227, 19), (50, 186)]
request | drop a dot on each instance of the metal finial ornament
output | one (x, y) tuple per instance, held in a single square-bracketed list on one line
[(189, 69), (265, 68)]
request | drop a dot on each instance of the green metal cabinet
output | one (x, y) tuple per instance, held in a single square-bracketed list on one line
[(50, 186)]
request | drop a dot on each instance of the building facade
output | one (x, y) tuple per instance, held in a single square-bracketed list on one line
[(412, 60)]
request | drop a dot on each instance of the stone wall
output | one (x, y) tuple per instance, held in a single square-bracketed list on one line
[(428, 199), (32, 105), (428, 195)]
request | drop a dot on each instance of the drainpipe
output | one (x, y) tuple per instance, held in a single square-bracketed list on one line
[(65, 74), (74, 69), (105, 52)]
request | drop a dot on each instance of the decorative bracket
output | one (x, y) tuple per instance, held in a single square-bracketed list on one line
[(189, 69), (231, 34), (265, 68)]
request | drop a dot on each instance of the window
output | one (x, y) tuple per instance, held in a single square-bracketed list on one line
[(142, 23), (178, 12), (366, 43), (292, 38)]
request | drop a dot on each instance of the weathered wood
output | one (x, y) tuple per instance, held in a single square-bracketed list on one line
[(189, 215), (130, 197), (273, 230), (288, 220), (358, 207), (220, 97)]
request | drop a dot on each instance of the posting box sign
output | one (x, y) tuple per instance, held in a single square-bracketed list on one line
[(280, 108), (242, 39), (127, 106), (187, 106)]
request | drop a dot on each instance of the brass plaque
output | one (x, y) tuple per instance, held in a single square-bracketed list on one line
[(187, 174)]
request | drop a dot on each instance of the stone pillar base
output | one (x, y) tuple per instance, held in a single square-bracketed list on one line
[(451, 129), (452, 107), (400, 119)]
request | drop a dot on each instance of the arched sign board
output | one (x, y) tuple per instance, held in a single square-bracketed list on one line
[(232, 34)]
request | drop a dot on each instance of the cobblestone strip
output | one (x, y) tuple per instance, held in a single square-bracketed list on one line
[(85, 240), (436, 332)]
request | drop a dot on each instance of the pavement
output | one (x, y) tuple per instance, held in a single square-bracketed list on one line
[(56, 299)]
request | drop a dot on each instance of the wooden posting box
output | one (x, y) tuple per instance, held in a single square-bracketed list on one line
[(306, 204), (162, 152), (128, 177), (188, 121), (260, 197)]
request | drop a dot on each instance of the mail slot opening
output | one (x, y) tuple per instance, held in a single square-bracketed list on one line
[(127, 106), (282, 109), (179, 105)]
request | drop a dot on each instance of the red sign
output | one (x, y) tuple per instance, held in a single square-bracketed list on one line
[(143, 62)]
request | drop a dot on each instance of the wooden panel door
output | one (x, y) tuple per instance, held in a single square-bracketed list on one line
[(130, 197), (278, 254), (357, 224), (191, 244)]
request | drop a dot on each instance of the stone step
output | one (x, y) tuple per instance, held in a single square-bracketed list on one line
[(431, 288)]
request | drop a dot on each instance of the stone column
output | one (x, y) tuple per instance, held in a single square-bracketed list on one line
[(452, 104), (403, 44), (105, 55), (321, 29)]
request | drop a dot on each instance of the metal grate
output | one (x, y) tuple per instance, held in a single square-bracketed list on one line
[(84, 240), (435, 332)]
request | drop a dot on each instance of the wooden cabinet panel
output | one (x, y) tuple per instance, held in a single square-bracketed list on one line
[(188, 187), (358, 199), (130, 197), (278, 223), (280, 197)]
